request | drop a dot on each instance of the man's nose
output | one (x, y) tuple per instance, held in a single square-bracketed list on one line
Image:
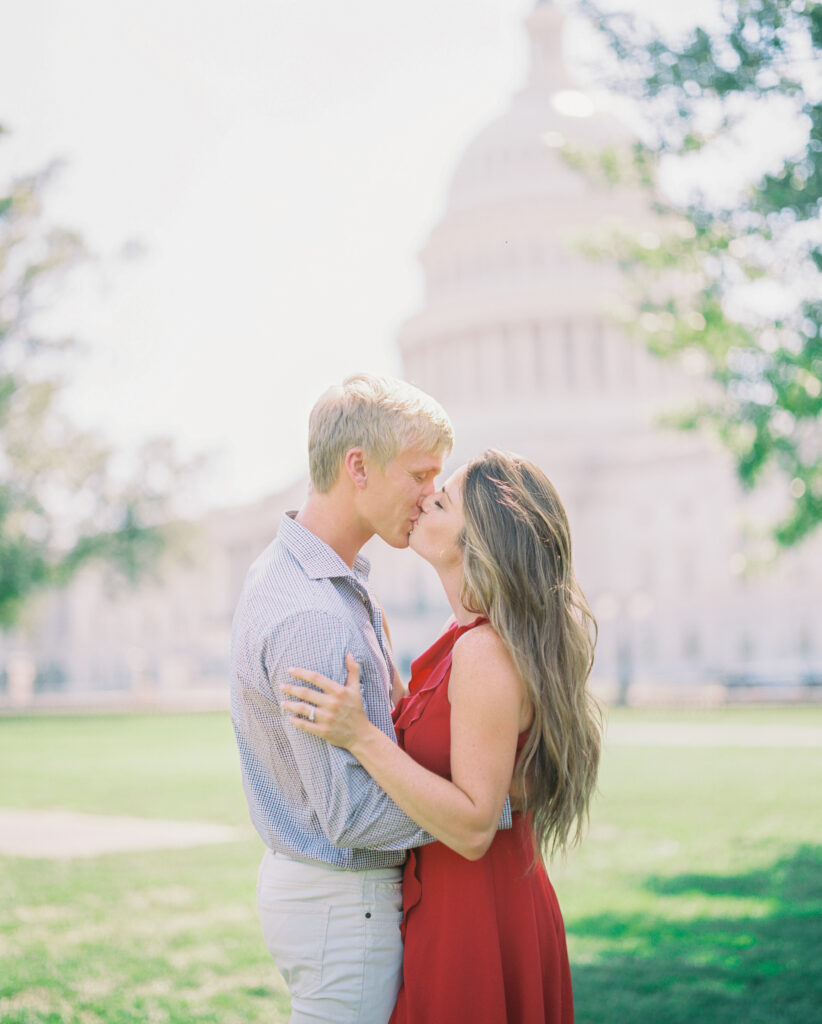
[(426, 492)]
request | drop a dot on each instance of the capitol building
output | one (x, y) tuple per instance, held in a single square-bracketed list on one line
[(516, 338)]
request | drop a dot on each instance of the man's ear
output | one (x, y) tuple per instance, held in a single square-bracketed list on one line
[(354, 464)]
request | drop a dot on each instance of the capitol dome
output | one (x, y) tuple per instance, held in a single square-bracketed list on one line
[(514, 317), (518, 154)]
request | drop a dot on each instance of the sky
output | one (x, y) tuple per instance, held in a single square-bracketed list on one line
[(256, 180)]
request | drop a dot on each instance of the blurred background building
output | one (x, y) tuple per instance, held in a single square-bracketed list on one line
[(517, 340)]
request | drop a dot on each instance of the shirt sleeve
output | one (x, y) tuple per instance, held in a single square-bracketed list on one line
[(352, 810)]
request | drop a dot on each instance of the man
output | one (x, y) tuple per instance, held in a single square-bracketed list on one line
[(329, 888)]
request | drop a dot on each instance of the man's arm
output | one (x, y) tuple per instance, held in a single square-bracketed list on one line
[(352, 810)]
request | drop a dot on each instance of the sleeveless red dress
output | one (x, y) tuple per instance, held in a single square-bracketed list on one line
[(484, 940)]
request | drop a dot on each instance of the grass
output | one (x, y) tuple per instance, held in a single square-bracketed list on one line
[(696, 896), (167, 936)]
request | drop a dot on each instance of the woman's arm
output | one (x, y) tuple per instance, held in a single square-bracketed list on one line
[(486, 698)]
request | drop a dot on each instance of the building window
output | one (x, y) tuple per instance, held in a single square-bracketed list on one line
[(471, 366), (630, 362), (538, 353), (598, 354), (645, 568), (688, 569), (569, 354), (509, 361), (691, 646), (649, 644)]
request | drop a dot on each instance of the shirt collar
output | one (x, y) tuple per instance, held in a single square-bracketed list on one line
[(315, 556)]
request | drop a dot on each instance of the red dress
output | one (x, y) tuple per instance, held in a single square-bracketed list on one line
[(484, 940)]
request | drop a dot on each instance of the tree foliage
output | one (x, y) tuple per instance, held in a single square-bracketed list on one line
[(730, 278), (63, 499)]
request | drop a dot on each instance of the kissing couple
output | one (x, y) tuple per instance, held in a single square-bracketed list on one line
[(406, 830)]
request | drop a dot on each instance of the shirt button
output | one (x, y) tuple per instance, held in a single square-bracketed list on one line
[(368, 913)]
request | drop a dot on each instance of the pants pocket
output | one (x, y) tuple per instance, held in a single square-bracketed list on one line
[(386, 901), (295, 933)]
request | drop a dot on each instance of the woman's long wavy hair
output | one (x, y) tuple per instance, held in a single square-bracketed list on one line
[(519, 574)]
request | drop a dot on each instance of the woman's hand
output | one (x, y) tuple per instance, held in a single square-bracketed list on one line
[(332, 712)]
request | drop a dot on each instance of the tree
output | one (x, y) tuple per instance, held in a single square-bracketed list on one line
[(63, 499), (730, 280)]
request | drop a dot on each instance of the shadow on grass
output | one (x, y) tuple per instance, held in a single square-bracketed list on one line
[(755, 963)]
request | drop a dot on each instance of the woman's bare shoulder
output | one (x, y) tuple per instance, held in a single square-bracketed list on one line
[(480, 652)]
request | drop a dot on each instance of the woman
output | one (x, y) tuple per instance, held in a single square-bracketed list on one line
[(499, 702)]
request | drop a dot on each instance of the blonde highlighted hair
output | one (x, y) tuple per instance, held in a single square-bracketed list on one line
[(381, 415), (519, 574)]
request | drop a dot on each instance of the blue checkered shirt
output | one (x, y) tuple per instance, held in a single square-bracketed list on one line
[(302, 606)]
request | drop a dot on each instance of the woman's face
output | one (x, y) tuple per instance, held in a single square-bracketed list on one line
[(435, 535)]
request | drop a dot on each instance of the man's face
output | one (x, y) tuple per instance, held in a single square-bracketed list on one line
[(393, 496)]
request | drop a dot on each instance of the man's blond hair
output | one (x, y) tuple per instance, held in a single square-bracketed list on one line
[(381, 415)]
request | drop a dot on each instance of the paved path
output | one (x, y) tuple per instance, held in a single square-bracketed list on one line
[(694, 734), (62, 835)]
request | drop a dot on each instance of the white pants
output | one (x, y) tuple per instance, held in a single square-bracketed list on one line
[(335, 938)]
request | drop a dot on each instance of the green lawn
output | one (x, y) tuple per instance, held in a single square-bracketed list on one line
[(696, 896)]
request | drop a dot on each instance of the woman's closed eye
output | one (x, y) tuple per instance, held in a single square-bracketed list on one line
[(438, 503)]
